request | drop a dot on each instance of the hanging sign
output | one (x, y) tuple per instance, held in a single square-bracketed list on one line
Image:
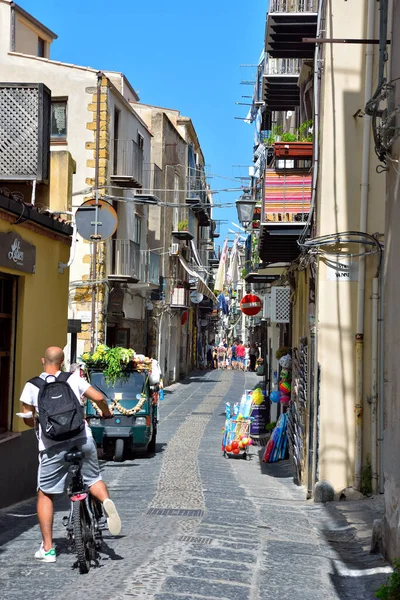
[(16, 253), (250, 305)]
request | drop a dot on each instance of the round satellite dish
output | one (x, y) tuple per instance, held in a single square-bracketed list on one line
[(107, 220), (196, 297)]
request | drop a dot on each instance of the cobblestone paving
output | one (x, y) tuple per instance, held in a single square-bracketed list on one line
[(197, 525)]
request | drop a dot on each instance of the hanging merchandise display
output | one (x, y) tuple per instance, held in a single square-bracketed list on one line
[(277, 444), (236, 434)]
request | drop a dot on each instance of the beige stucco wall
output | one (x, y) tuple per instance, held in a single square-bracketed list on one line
[(27, 37), (391, 437), (338, 209)]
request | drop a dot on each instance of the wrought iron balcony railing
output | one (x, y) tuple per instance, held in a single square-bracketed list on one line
[(293, 6), (127, 165), (282, 66), (126, 264)]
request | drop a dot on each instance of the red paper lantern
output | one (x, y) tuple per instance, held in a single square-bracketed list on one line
[(250, 305), (184, 318)]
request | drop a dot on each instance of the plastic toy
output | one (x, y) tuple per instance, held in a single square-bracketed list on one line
[(275, 396)]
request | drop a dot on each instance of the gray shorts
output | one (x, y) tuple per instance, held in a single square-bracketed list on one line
[(53, 469)]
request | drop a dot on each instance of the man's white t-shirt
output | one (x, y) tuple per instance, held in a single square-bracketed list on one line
[(30, 395)]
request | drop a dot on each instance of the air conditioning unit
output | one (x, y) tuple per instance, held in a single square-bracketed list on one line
[(174, 250), (280, 304)]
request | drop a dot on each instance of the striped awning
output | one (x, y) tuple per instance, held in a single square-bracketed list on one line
[(287, 192), (202, 287)]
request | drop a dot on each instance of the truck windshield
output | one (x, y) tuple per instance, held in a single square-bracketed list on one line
[(129, 387)]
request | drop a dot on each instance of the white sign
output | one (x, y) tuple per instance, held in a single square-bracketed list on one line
[(342, 269), (84, 315)]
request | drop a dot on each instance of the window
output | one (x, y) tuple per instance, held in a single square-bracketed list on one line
[(138, 230), (140, 141), (41, 47), (59, 119)]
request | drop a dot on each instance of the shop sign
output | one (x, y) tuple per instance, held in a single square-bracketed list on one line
[(16, 253)]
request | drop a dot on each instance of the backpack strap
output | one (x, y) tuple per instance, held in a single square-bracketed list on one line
[(38, 382), (64, 376)]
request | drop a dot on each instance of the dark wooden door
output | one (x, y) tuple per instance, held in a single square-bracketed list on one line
[(7, 326)]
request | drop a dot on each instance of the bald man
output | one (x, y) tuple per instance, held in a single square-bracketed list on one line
[(53, 469)]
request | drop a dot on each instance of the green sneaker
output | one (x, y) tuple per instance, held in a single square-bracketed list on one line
[(44, 556)]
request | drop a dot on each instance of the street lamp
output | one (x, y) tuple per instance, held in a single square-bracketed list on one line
[(245, 206)]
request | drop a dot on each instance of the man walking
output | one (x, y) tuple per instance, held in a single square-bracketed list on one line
[(53, 469)]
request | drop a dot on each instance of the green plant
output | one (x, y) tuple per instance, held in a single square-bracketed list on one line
[(391, 589), (243, 272), (366, 477), (114, 362), (300, 134), (183, 225)]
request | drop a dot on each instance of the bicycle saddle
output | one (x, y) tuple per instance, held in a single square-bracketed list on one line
[(74, 455)]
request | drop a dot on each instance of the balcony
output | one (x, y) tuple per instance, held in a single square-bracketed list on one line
[(127, 167), (288, 22), (184, 224), (150, 269), (293, 150), (284, 214), (197, 196), (126, 264), (180, 298), (280, 89)]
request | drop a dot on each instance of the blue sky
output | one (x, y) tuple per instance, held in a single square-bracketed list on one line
[(183, 55)]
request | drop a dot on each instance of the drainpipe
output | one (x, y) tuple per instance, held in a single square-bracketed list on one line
[(94, 332), (359, 337), (374, 383), (381, 395)]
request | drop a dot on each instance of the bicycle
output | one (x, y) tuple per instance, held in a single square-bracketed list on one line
[(83, 524)]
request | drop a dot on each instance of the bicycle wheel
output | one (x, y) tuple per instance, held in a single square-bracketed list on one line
[(81, 531)]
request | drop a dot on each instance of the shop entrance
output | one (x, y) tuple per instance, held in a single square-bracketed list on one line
[(8, 289)]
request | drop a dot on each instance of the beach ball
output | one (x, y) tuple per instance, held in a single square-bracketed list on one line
[(285, 387), (285, 399), (275, 396), (228, 448), (245, 441), (250, 442), (285, 375), (235, 445), (236, 451)]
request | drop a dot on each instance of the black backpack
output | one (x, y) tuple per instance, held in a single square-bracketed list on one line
[(60, 412)]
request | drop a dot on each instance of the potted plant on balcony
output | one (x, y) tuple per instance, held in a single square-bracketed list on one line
[(183, 225)]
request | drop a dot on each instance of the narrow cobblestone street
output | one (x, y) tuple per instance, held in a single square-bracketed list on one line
[(196, 525)]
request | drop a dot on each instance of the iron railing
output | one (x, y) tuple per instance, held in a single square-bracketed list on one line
[(293, 6), (150, 267), (282, 66), (128, 160), (126, 259)]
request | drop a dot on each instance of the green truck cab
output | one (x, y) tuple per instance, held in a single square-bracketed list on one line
[(134, 424)]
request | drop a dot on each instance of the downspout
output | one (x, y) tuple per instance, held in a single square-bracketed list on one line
[(359, 337), (381, 380), (94, 332), (374, 383)]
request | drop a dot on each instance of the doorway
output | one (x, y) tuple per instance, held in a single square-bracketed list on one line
[(8, 294)]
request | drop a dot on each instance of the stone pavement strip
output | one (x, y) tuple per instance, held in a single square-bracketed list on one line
[(197, 525)]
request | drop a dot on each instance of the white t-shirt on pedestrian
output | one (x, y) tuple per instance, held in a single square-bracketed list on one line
[(30, 395), (247, 353)]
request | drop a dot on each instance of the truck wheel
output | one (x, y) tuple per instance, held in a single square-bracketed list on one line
[(119, 450), (151, 447)]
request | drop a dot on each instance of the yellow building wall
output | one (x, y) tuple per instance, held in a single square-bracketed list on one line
[(338, 210), (42, 307)]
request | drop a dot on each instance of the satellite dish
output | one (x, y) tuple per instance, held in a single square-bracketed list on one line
[(196, 297), (107, 220)]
